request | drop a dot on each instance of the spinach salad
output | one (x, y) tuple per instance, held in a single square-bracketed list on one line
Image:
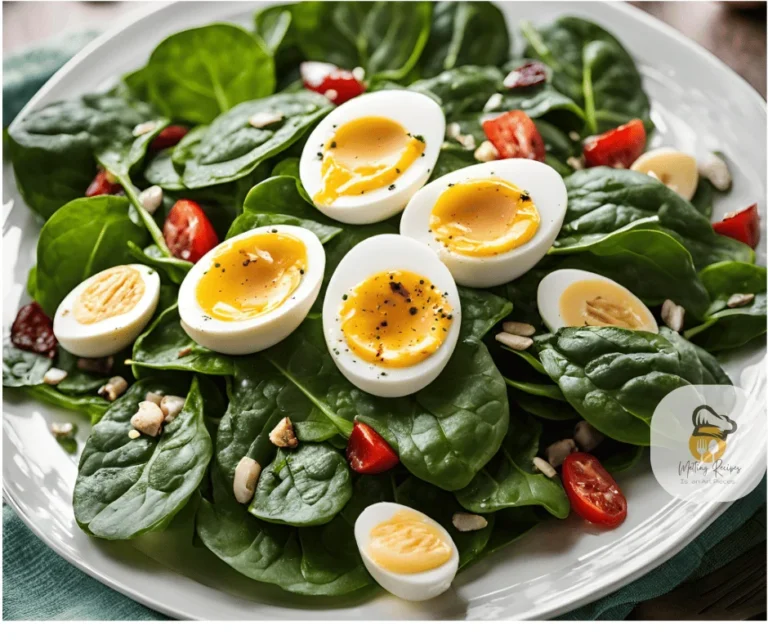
[(232, 138)]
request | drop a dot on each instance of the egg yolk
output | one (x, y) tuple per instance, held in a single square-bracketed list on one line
[(598, 303), (112, 292), (252, 276), (407, 544), (366, 154), (395, 319), (484, 217)]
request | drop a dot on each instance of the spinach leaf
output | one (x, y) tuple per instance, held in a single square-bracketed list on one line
[(303, 487), (728, 328), (591, 67), (462, 90), (615, 377), (191, 76), (171, 269), (81, 239), (551, 392), (94, 407), (604, 200), (465, 33), (160, 171), (509, 480), (23, 368), (480, 312), (127, 487), (448, 162), (511, 524), (704, 196), (619, 457), (273, 26), (542, 406), (230, 148)]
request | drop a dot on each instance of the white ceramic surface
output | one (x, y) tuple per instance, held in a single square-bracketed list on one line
[(698, 105)]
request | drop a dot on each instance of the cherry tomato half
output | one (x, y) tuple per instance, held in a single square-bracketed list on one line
[(337, 85), (102, 185), (514, 135), (188, 232), (168, 137), (618, 148), (743, 225), (593, 493), (32, 330), (368, 452)]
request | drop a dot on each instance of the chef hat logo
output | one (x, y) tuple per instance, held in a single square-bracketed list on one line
[(710, 430)]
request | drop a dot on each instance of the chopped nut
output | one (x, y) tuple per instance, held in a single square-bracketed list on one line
[(63, 430), (283, 435), (574, 136), (516, 342), (54, 376), (586, 436), (716, 170), (246, 476), (519, 328), (96, 365), (486, 152), (577, 163), (263, 119), (493, 103), (144, 128), (465, 522), (739, 299), (453, 130), (155, 397), (358, 73), (149, 419), (331, 94), (171, 406), (151, 198), (134, 434), (557, 452), (545, 468), (114, 388), (467, 141), (183, 353), (673, 315)]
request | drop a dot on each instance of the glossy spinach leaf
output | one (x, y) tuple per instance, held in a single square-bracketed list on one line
[(542, 406), (542, 390), (509, 480), (462, 90), (94, 407), (160, 171), (704, 197), (480, 312), (81, 239), (23, 368), (449, 161), (604, 200), (728, 328), (615, 378), (126, 487), (303, 487), (510, 525), (465, 33)]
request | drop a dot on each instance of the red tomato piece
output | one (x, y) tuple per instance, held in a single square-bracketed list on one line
[(168, 137), (368, 452), (32, 330), (618, 148), (514, 135), (743, 225), (528, 75), (593, 493), (337, 85), (102, 184), (188, 232)]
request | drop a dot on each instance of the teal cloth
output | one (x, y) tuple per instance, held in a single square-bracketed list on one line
[(38, 584)]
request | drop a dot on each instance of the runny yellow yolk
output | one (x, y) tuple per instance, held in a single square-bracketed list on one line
[(114, 291), (395, 319), (598, 303), (366, 154), (407, 544), (252, 276), (484, 217)]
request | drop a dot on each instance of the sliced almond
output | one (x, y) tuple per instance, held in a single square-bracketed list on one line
[(673, 315), (545, 468), (465, 522), (516, 342), (54, 376), (519, 328)]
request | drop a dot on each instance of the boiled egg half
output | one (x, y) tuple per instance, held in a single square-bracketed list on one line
[(572, 297), (489, 223), (107, 312), (368, 157), (391, 316), (405, 551), (253, 290)]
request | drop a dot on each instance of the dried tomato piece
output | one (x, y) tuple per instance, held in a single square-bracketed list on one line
[(617, 148), (528, 75), (742, 225), (32, 330), (168, 137)]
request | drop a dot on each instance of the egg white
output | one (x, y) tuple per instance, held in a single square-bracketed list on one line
[(417, 113), (551, 289), (547, 190), (108, 336), (376, 255), (248, 336), (418, 586)]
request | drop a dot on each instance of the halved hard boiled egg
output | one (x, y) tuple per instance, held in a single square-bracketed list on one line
[(367, 158), (253, 290), (572, 297), (405, 551), (489, 223), (107, 312), (391, 316)]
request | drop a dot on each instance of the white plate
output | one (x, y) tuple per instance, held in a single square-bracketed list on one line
[(699, 105)]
